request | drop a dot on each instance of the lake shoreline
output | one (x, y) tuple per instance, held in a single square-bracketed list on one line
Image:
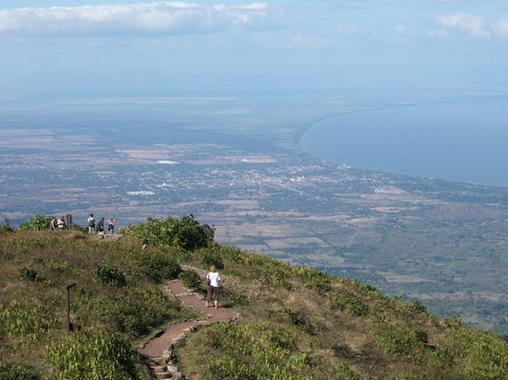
[(451, 153)]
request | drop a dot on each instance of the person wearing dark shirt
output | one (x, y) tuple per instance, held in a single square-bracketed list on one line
[(99, 229)]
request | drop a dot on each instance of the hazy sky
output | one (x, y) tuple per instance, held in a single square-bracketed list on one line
[(94, 48)]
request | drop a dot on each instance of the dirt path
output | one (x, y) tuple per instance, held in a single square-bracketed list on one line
[(158, 350)]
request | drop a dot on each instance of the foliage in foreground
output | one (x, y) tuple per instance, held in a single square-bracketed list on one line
[(253, 352), (93, 355), (14, 371)]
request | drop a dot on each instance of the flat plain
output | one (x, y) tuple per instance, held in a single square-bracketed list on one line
[(235, 163)]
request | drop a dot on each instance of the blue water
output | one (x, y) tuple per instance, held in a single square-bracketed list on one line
[(465, 141)]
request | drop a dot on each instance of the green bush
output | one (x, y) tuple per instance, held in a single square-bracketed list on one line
[(348, 301), (453, 322), (95, 355), (344, 372), (212, 258), (255, 352), (26, 319), (13, 371), (109, 275), (417, 307), (314, 279), (403, 342), (38, 223), (487, 358), (28, 274), (275, 278), (190, 279), (237, 299), (5, 229), (158, 265), (139, 310), (299, 319), (186, 233), (421, 335)]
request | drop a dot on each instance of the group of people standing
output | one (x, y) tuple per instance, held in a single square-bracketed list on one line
[(57, 223), (99, 227)]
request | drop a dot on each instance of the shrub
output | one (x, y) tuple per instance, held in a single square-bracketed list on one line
[(237, 299), (300, 320), (93, 355), (421, 335), (453, 322), (232, 253), (417, 307), (109, 275), (158, 266), (255, 352), (314, 279), (13, 371), (28, 274), (186, 233), (403, 342), (346, 373), (348, 301), (38, 223), (26, 319), (212, 258), (139, 310), (5, 229), (369, 289), (190, 279), (276, 278), (487, 358)]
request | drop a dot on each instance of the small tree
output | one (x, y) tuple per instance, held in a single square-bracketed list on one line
[(186, 233), (6, 228), (38, 223)]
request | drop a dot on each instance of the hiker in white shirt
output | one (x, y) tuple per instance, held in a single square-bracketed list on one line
[(213, 280)]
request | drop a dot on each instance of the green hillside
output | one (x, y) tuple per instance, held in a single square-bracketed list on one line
[(297, 323)]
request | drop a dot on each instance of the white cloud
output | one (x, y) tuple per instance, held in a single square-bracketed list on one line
[(401, 30), (437, 33), (307, 41), (471, 24), (501, 28), (156, 17), (352, 30)]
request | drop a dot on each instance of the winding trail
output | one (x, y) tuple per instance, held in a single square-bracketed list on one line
[(159, 350)]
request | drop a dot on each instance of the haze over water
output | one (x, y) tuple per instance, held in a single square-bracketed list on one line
[(464, 141)]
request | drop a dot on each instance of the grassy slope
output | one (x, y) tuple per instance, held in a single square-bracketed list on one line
[(298, 323)]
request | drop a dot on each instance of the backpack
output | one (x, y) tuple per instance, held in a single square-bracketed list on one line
[(91, 223)]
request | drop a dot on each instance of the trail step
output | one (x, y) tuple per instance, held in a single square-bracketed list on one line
[(160, 369)]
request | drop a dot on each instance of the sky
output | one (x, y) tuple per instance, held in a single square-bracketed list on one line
[(54, 49)]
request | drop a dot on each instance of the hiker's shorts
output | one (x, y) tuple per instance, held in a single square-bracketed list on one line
[(213, 293)]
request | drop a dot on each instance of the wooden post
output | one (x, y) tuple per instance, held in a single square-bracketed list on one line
[(69, 327), (68, 219)]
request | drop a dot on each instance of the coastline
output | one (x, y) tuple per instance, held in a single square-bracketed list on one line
[(459, 161)]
